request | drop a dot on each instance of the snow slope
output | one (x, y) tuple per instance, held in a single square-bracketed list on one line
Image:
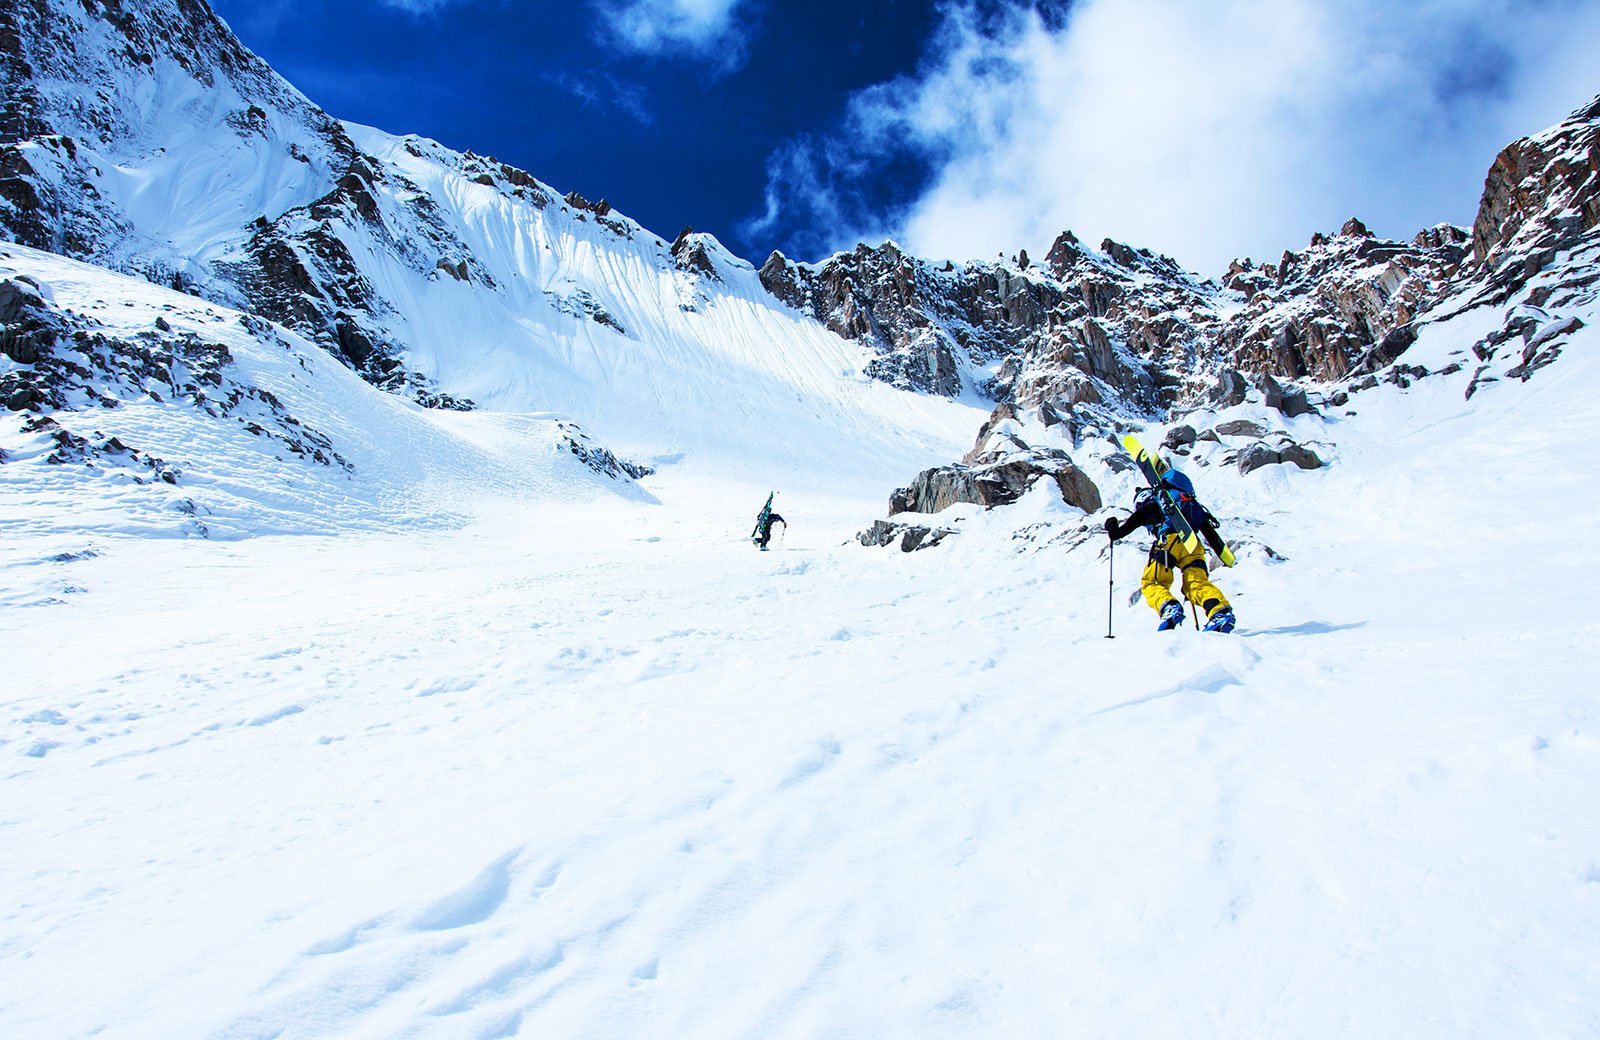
[(597, 769), (447, 735), (150, 141), (686, 360), (803, 420), (404, 466), (166, 137)]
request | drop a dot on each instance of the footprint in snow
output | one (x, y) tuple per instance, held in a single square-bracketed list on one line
[(551, 874), (474, 902), (1208, 680), (273, 716), (501, 981), (812, 764), (459, 684), (339, 943)]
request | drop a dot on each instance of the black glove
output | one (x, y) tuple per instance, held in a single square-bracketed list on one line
[(1111, 526)]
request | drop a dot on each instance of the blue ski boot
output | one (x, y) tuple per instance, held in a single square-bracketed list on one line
[(1171, 616), (1222, 621)]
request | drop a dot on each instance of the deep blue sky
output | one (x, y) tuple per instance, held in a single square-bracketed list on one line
[(670, 139), (963, 128)]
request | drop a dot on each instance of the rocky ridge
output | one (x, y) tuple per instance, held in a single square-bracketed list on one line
[(1304, 334), (1122, 327)]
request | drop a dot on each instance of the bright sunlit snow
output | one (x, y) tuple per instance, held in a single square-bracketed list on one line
[(473, 742)]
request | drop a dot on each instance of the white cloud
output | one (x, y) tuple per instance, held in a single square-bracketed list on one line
[(1206, 131), (421, 7), (700, 28)]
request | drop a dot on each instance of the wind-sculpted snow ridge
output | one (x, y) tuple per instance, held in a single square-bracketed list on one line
[(660, 349), (141, 136), (143, 410)]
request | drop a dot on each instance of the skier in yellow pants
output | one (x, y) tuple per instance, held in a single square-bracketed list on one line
[(1168, 554)]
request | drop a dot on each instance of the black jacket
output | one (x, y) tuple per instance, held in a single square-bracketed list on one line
[(1146, 514)]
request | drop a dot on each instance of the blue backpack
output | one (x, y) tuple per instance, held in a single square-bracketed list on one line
[(1182, 491)]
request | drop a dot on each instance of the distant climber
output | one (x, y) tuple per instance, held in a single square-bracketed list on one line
[(1168, 554), (764, 528), (764, 521)]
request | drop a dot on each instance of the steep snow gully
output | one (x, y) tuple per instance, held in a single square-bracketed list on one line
[(467, 750), (326, 714)]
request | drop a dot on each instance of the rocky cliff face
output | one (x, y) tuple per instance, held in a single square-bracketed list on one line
[(930, 328), (1541, 198), (1129, 331), (1323, 324), (1535, 249), (68, 362), (1120, 326)]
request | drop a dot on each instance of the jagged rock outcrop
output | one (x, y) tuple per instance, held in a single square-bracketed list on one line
[(998, 470), (929, 329), (70, 362), (910, 537), (1541, 197), (1535, 257), (692, 252), (597, 457), (1318, 312), (1280, 449), (1121, 326)]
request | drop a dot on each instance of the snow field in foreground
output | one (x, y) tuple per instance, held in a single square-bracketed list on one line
[(604, 770)]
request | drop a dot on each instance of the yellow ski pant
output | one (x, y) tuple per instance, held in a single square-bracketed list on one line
[(1170, 555)]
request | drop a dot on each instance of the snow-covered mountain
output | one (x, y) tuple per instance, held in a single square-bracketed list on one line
[(141, 137), (338, 712)]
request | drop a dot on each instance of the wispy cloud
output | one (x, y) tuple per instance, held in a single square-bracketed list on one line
[(602, 91), (422, 7), (1206, 131), (705, 29)]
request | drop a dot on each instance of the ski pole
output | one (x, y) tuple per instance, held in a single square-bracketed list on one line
[(1111, 581)]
